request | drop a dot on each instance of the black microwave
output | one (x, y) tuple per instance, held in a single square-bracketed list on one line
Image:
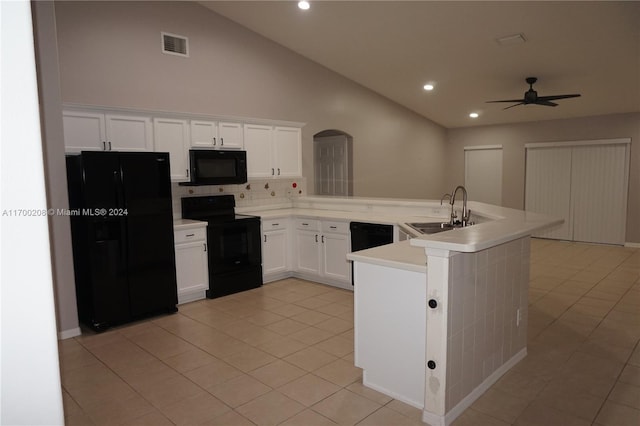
[(217, 167)]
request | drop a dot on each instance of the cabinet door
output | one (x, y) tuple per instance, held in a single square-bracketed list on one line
[(231, 135), (274, 252), (308, 252), (257, 143), (287, 151), (172, 136), (84, 131), (204, 134), (335, 248), (129, 133), (191, 270)]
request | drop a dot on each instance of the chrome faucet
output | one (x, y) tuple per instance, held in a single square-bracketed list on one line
[(453, 214), (465, 213)]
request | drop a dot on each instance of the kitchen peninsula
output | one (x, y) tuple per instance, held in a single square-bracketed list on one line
[(438, 318)]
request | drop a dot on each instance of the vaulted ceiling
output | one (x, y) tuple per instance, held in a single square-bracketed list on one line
[(395, 47)]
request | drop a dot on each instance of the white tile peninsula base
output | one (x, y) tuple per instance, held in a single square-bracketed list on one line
[(447, 336)]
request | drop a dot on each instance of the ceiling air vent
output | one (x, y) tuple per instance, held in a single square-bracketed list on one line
[(175, 45)]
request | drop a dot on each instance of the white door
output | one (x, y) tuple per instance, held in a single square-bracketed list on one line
[(483, 173), (332, 165), (599, 193), (191, 269), (548, 188), (585, 183)]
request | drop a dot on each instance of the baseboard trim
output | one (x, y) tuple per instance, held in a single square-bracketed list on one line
[(68, 334), (448, 418), (632, 245)]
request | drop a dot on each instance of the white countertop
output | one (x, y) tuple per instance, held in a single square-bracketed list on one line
[(182, 224), (401, 255), (497, 224)]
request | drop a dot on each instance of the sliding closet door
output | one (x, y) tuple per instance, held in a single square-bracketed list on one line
[(548, 187), (599, 192)]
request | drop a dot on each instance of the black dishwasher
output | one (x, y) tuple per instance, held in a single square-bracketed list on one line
[(369, 235)]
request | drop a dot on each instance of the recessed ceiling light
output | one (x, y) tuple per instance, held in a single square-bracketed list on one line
[(474, 115), (428, 87), (304, 5)]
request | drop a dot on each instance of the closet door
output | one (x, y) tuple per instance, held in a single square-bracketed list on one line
[(548, 188), (599, 193)]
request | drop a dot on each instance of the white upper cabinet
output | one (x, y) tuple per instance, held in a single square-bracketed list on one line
[(287, 151), (273, 151), (216, 135), (231, 135), (86, 130), (258, 143), (172, 136), (204, 134)]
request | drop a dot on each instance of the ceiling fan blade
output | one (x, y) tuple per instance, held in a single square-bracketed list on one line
[(521, 103), (556, 97), (507, 100), (546, 103)]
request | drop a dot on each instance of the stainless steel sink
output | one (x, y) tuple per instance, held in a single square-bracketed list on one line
[(431, 227)]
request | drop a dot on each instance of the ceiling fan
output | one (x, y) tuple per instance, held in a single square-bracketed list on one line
[(531, 97)]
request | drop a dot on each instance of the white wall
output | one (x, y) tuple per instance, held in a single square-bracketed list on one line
[(513, 137), (31, 393), (55, 169), (110, 55)]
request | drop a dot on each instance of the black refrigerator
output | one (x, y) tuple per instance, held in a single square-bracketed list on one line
[(122, 236)]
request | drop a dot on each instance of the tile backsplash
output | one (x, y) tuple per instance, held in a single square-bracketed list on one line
[(256, 192)]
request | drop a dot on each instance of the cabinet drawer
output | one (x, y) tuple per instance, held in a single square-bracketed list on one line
[(273, 224), (337, 227), (310, 224), (193, 234)]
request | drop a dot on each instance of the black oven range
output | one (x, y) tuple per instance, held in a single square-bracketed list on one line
[(233, 240)]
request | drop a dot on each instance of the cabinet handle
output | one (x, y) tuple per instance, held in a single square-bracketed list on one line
[(316, 238), (205, 246), (221, 141), (187, 170), (333, 227), (214, 141), (323, 239), (109, 145), (265, 238), (104, 146), (305, 224), (273, 172), (190, 235), (278, 171), (275, 224)]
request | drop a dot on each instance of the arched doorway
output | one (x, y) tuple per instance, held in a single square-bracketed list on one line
[(333, 163)]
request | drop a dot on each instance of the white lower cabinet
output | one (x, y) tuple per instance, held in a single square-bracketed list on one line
[(192, 271), (275, 249), (321, 249)]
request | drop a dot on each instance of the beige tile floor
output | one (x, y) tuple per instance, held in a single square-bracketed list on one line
[(283, 354)]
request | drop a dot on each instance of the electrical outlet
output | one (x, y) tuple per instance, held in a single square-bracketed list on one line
[(518, 318)]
